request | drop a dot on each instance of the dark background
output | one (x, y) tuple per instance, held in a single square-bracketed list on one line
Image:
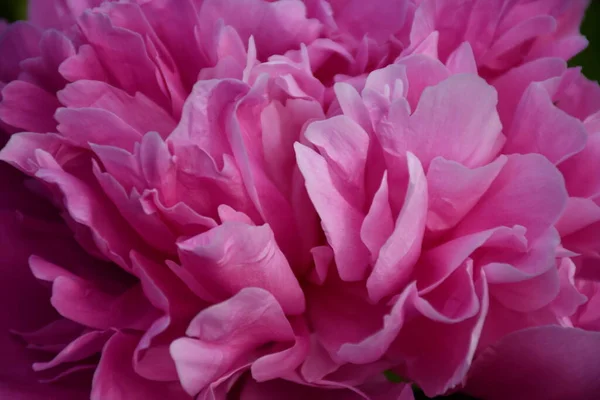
[(589, 59)]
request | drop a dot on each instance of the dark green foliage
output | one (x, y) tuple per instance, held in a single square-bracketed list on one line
[(590, 57)]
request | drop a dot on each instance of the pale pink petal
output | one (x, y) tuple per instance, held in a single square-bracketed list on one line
[(226, 335), (99, 127), (454, 190), (402, 249), (421, 72), (518, 34), (234, 256), (378, 224), (576, 170), (138, 111), (529, 191), (450, 123), (513, 84), (273, 366), (462, 60), (340, 219), (569, 299), (344, 145), (539, 127)]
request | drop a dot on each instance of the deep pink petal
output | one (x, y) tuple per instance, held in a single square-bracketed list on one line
[(115, 379), (546, 362)]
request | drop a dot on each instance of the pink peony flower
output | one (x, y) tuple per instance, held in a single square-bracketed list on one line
[(252, 199)]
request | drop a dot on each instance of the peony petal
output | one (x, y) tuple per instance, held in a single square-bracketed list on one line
[(43, 70), (439, 355), (99, 127), (529, 192), (581, 183), (379, 19), (341, 220), (81, 348), (115, 379), (234, 256), (454, 190), (138, 111), (450, 124), (57, 13), (18, 42), (403, 248), (344, 145), (462, 60), (513, 84), (272, 366), (548, 362), (378, 225), (227, 334), (28, 107), (539, 127), (123, 55), (82, 302), (287, 28)]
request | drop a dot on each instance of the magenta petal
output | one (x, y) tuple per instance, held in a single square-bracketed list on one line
[(287, 28), (55, 48), (122, 53), (28, 107), (84, 346), (439, 349), (88, 208), (82, 302), (545, 362), (18, 42), (374, 345), (58, 13), (378, 19), (115, 379)]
